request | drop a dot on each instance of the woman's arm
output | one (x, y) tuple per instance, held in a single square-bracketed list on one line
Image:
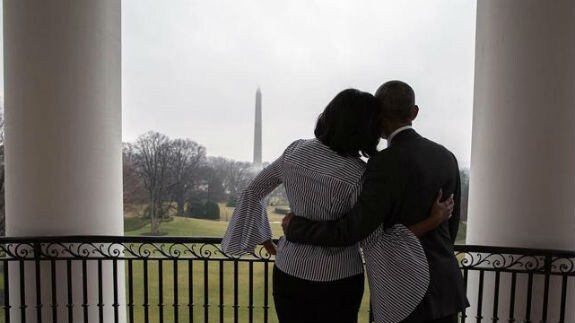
[(440, 212), (249, 225)]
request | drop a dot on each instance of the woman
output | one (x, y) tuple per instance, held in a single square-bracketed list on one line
[(323, 177)]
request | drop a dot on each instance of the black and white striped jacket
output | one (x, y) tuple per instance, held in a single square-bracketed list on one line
[(322, 185), (318, 182)]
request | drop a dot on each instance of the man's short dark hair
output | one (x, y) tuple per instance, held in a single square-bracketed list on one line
[(397, 99), (350, 124)]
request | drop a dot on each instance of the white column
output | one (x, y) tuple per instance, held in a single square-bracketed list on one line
[(522, 184), (63, 123)]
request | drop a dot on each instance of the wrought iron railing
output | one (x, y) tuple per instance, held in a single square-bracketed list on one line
[(175, 279), (518, 284)]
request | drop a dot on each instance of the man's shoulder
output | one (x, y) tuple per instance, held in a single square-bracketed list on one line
[(415, 152), (398, 155), (381, 156), (384, 160), (430, 144)]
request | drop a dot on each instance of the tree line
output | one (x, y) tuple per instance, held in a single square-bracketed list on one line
[(167, 174), (172, 175), (175, 176)]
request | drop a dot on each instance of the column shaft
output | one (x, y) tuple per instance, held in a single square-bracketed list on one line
[(63, 135), (522, 185), (522, 182)]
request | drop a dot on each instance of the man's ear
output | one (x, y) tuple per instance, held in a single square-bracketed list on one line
[(413, 113)]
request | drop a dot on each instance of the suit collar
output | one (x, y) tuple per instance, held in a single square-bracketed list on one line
[(398, 130), (405, 135)]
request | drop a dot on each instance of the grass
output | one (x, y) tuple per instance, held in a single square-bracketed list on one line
[(203, 228), (206, 297), (190, 227), (196, 227), (202, 294), (213, 292), (461, 233), (195, 283)]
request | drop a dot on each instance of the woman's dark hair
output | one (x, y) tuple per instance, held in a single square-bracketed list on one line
[(350, 124)]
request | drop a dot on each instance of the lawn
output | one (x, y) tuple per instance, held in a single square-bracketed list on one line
[(203, 228), (186, 227), (199, 290), (204, 296), (461, 233)]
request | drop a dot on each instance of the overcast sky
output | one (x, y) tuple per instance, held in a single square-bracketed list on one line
[(191, 68)]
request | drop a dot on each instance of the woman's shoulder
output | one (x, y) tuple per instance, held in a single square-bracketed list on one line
[(302, 146), (312, 154), (294, 145)]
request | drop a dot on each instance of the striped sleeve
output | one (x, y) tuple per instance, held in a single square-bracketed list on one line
[(249, 225), (355, 191)]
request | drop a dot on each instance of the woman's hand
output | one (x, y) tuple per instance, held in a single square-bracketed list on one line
[(441, 211), (270, 247)]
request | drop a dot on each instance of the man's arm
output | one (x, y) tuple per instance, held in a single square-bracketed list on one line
[(375, 205), (454, 220)]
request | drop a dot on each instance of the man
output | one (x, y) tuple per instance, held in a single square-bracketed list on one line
[(400, 185)]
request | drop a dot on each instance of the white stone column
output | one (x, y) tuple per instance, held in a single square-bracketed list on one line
[(522, 182), (63, 127)]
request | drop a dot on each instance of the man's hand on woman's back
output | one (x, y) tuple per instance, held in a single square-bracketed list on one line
[(286, 220)]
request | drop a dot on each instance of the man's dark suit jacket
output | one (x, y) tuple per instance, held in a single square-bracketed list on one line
[(401, 183)]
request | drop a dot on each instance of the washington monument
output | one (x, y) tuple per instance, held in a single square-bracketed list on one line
[(258, 130)]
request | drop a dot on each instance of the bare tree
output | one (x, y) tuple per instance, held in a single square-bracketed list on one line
[(186, 159), (238, 176), (151, 158), (214, 176), (234, 175), (134, 190)]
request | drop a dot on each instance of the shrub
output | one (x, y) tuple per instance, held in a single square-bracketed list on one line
[(196, 209), (212, 211), (208, 210), (146, 212), (232, 202), (280, 210)]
